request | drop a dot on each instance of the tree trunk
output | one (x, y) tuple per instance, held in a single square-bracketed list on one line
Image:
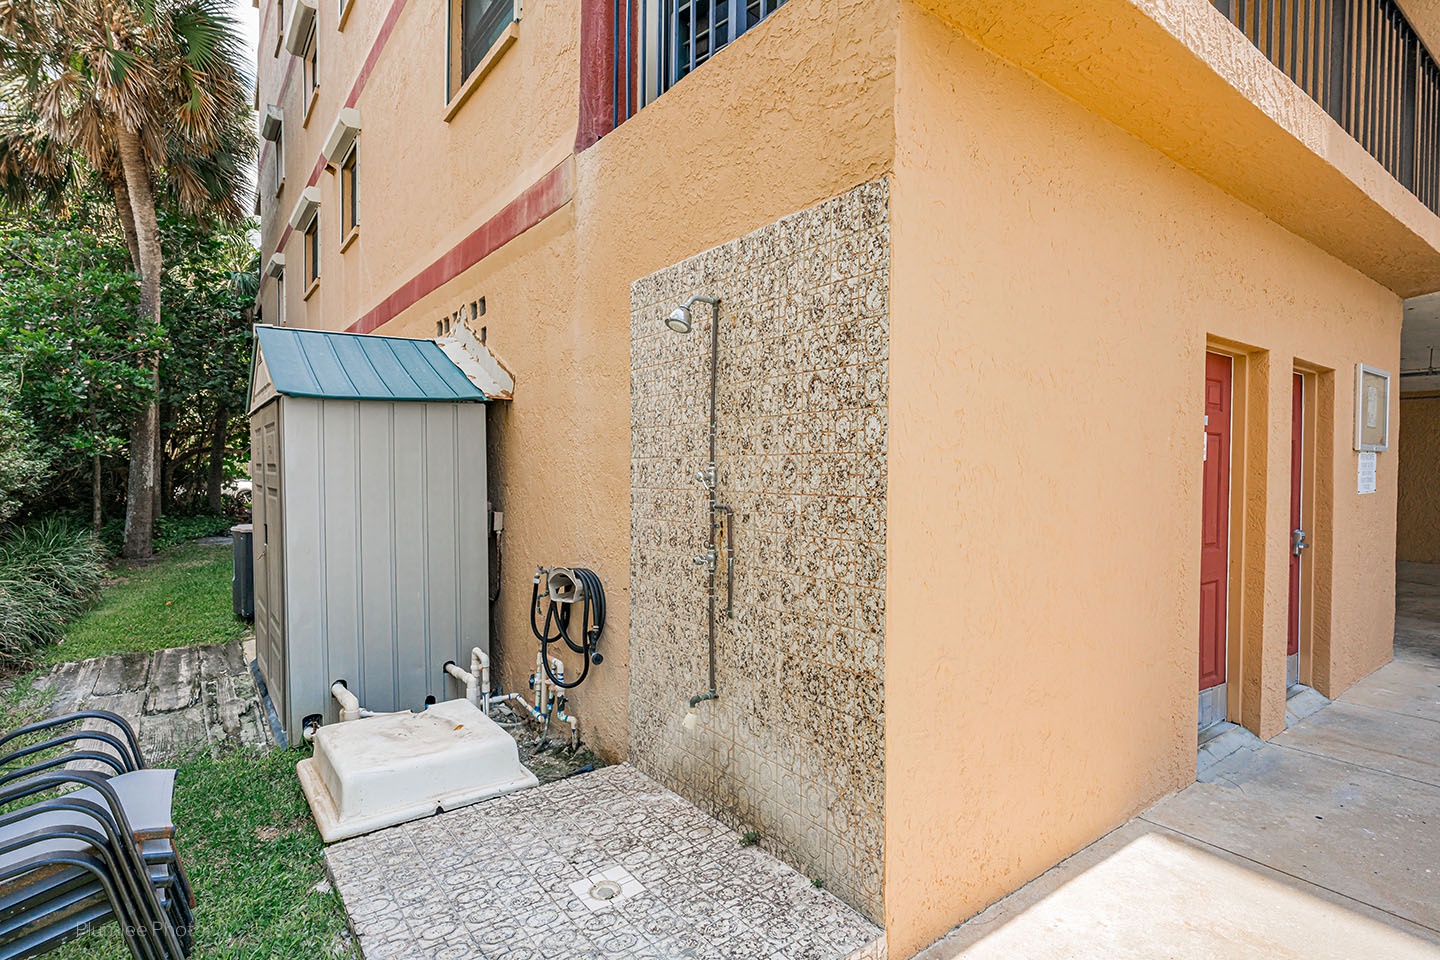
[(215, 476), (127, 221), (164, 469), (141, 483)]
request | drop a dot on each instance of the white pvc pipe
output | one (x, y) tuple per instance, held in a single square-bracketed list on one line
[(349, 703), (480, 668), (467, 678)]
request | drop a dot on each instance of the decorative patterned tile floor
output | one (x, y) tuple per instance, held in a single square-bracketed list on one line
[(498, 880)]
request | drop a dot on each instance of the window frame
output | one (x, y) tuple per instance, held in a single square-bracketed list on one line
[(459, 85), (279, 152), (310, 244), (348, 171), (310, 70), (660, 65)]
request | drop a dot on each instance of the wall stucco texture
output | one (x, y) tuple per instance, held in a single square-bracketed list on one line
[(1418, 512), (814, 99), (793, 747), (1055, 283)]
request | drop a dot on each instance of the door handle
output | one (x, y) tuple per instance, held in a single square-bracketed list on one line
[(1298, 541)]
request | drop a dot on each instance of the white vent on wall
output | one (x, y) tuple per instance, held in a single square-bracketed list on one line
[(306, 209), (342, 135), (270, 125), (275, 266), (302, 22)]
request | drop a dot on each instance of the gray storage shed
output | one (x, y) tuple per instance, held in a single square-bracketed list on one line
[(370, 516)]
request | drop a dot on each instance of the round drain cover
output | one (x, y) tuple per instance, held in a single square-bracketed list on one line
[(605, 890)]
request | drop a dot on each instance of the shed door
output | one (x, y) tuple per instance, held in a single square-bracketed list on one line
[(1215, 522), (269, 552)]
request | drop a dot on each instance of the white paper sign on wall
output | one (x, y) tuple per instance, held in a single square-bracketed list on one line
[(1365, 481)]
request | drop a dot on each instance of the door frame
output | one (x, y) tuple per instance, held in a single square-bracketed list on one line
[(1245, 598), (1316, 509)]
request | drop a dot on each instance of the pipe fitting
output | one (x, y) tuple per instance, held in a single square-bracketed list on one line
[(349, 703)]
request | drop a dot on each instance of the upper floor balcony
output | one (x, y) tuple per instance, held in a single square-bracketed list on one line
[(1366, 65), (1361, 60)]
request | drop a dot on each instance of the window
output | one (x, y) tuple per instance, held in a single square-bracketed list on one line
[(279, 156), (481, 23), (312, 254), (692, 31), (349, 194), (280, 300), (279, 25), (312, 70), (476, 28)]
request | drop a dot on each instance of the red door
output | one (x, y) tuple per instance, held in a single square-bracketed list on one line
[(1297, 465), (1215, 523)]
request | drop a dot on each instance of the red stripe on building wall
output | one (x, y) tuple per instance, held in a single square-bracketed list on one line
[(371, 59), (538, 201), (376, 48)]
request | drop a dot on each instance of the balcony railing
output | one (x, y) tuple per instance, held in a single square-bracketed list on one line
[(657, 42), (1363, 62)]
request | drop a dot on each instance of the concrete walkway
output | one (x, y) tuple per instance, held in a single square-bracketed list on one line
[(1322, 843), (178, 700)]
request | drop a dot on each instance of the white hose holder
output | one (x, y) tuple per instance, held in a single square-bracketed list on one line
[(564, 586)]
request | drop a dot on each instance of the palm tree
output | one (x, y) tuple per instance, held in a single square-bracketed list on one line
[(153, 96)]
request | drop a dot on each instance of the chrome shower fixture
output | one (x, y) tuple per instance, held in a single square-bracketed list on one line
[(722, 518), (680, 320)]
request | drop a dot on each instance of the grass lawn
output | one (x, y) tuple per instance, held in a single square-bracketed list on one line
[(245, 832), (179, 599)]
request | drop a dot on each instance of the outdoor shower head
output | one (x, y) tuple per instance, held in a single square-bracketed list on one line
[(679, 319)]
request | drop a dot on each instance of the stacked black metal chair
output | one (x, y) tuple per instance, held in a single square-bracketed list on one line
[(81, 848)]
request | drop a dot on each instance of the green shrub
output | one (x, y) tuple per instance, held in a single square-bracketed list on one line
[(49, 570), (170, 530)]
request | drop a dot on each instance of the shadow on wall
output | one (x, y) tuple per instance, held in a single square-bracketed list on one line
[(793, 748), (1417, 511)]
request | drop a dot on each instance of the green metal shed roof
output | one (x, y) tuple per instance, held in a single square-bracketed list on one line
[(354, 366)]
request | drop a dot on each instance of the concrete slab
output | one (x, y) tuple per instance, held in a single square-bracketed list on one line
[(1144, 892), (499, 880), (1220, 742), (1301, 702), (1361, 833), (174, 676), (1417, 612), (1401, 687), (1408, 572), (177, 700), (1394, 743)]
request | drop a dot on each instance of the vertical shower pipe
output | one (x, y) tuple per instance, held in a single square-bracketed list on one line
[(712, 477)]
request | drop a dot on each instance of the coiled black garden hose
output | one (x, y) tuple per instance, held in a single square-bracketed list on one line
[(557, 625)]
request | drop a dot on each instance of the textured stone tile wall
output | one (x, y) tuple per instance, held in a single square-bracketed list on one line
[(794, 746)]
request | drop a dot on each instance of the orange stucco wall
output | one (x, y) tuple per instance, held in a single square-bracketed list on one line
[(1055, 284), (813, 100), (1418, 512), (1058, 268)]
